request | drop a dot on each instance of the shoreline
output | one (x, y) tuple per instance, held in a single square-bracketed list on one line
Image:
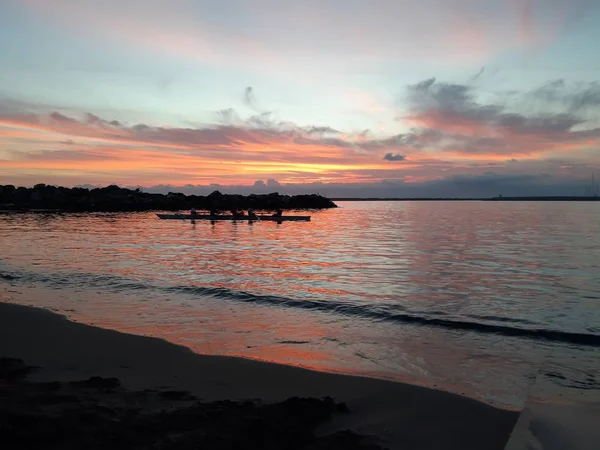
[(24, 297), (394, 412), (572, 198)]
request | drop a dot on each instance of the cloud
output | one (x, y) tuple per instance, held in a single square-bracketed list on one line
[(228, 116), (476, 186), (392, 157), (77, 156), (550, 179), (322, 130), (454, 31), (577, 98), (448, 117), (448, 131), (92, 119), (250, 99), (58, 117), (235, 149), (260, 186), (230, 136), (478, 74), (526, 21)]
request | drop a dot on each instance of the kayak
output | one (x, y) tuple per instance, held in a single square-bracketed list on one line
[(230, 217)]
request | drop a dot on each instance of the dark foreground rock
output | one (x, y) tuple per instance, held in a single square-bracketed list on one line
[(100, 414), (114, 199), (13, 369)]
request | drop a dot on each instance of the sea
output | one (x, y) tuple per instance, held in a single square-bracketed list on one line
[(492, 300)]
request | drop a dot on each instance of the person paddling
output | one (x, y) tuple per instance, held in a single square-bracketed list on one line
[(278, 213), (252, 214)]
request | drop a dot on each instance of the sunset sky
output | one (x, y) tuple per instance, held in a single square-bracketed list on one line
[(381, 97)]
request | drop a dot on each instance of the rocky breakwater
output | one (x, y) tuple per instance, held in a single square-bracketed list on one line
[(114, 199)]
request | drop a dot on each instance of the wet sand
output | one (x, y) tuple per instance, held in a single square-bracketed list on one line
[(399, 416)]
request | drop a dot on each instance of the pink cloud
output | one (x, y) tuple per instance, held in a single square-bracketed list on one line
[(155, 26), (243, 151), (447, 117), (313, 35), (452, 133)]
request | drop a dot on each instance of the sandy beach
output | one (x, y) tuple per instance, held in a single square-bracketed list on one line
[(399, 416)]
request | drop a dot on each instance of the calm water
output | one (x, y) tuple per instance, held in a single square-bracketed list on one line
[(476, 297)]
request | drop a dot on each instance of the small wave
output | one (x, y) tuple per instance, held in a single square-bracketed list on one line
[(500, 319), (382, 312), (578, 380), (8, 277), (540, 333)]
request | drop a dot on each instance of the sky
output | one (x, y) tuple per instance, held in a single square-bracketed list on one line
[(342, 97)]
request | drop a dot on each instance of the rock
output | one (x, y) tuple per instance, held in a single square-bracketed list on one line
[(113, 199), (69, 416), (36, 196), (176, 395), (6, 193), (13, 369), (346, 440), (342, 408), (102, 383), (50, 386)]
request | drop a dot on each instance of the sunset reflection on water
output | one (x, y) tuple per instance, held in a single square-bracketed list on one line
[(330, 294)]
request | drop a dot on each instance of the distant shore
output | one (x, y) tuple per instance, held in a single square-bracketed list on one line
[(452, 199), (124, 372), (116, 199)]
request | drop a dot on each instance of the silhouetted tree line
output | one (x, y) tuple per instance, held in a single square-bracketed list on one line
[(114, 198)]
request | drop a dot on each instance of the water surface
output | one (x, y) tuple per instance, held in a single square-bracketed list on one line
[(475, 297)]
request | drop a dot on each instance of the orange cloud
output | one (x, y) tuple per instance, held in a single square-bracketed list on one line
[(56, 142), (451, 133), (100, 148)]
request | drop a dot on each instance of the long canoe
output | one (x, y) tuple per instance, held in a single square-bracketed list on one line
[(229, 217)]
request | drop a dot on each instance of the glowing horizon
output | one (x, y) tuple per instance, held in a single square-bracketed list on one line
[(144, 94)]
